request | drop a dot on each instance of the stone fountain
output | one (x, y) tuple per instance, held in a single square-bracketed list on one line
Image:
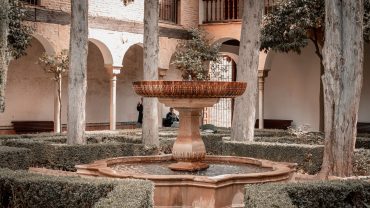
[(188, 177)]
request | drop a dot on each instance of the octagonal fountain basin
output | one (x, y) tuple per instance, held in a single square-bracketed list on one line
[(221, 185)]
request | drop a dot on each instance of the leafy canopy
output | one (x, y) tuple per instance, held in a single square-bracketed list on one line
[(292, 23), (20, 35), (55, 64), (192, 57)]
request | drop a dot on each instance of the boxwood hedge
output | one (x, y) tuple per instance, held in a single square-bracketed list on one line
[(61, 156), (14, 157), (22, 189), (328, 194)]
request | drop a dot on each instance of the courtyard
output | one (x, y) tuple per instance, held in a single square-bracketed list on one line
[(173, 103)]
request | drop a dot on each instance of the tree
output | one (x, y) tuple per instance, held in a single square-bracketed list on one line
[(151, 50), (292, 24), (15, 37), (56, 65), (77, 73), (245, 105), (192, 57), (343, 61)]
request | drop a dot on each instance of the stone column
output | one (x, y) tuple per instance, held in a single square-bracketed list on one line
[(262, 74), (114, 71)]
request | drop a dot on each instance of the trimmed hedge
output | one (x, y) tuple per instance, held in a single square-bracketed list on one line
[(308, 157), (329, 194), (22, 189), (65, 157), (14, 158)]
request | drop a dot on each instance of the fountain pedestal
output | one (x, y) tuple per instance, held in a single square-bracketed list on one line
[(189, 150)]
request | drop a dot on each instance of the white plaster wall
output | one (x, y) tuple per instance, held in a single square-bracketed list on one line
[(98, 87), (364, 111), (117, 10), (29, 92), (292, 88), (126, 97)]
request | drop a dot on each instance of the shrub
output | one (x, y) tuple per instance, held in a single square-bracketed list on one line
[(329, 194), (308, 157), (14, 158), (65, 157), (22, 189)]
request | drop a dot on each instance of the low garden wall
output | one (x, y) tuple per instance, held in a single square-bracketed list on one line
[(22, 189), (329, 194)]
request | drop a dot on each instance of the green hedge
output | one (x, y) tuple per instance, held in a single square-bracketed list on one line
[(14, 158), (65, 157), (308, 157), (363, 142), (329, 194), (22, 189)]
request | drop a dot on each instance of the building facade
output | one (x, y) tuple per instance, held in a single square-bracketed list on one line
[(115, 60)]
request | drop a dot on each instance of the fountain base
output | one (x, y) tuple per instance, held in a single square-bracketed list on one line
[(221, 185), (188, 166)]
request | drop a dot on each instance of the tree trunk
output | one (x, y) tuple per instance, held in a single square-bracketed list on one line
[(151, 50), (57, 104), (4, 56), (245, 105), (343, 60), (77, 73)]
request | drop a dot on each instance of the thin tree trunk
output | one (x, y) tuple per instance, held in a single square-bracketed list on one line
[(57, 104), (4, 56), (343, 60), (77, 73), (151, 49), (245, 105)]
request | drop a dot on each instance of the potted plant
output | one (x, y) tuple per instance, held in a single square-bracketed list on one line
[(191, 96)]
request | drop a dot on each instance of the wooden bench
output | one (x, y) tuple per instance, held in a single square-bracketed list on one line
[(275, 124), (26, 127), (363, 127)]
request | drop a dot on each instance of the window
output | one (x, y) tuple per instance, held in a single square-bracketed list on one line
[(31, 2), (168, 11)]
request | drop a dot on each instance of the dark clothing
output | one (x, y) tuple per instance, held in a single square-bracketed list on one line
[(140, 108), (170, 118)]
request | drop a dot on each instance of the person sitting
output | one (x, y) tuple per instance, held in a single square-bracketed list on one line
[(171, 118)]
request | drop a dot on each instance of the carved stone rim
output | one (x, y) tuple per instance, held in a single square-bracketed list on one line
[(189, 89), (279, 171)]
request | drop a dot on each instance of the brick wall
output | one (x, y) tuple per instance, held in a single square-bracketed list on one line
[(189, 13), (64, 5)]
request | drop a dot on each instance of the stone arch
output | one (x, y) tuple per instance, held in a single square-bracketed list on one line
[(265, 60), (49, 49), (106, 53), (133, 70)]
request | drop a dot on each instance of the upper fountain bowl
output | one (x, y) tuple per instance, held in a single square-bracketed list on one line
[(189, 89)]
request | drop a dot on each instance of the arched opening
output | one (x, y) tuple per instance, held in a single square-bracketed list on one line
[(133, 70), (221, 113), (364, 111), (29, 90), (98, 87)]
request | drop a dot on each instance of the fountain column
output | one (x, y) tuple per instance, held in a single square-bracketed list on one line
[(114, 71), (262, 74)]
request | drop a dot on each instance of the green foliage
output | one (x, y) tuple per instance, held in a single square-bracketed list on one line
[(14, 158), (22, 189), (54, 153), (193, 56), (20, 35), (293, 22), (287, 28), (330, 194), (55, 64)]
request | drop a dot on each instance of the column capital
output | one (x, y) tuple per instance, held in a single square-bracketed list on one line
[(263, 73), (162, 72), (113, 70)]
